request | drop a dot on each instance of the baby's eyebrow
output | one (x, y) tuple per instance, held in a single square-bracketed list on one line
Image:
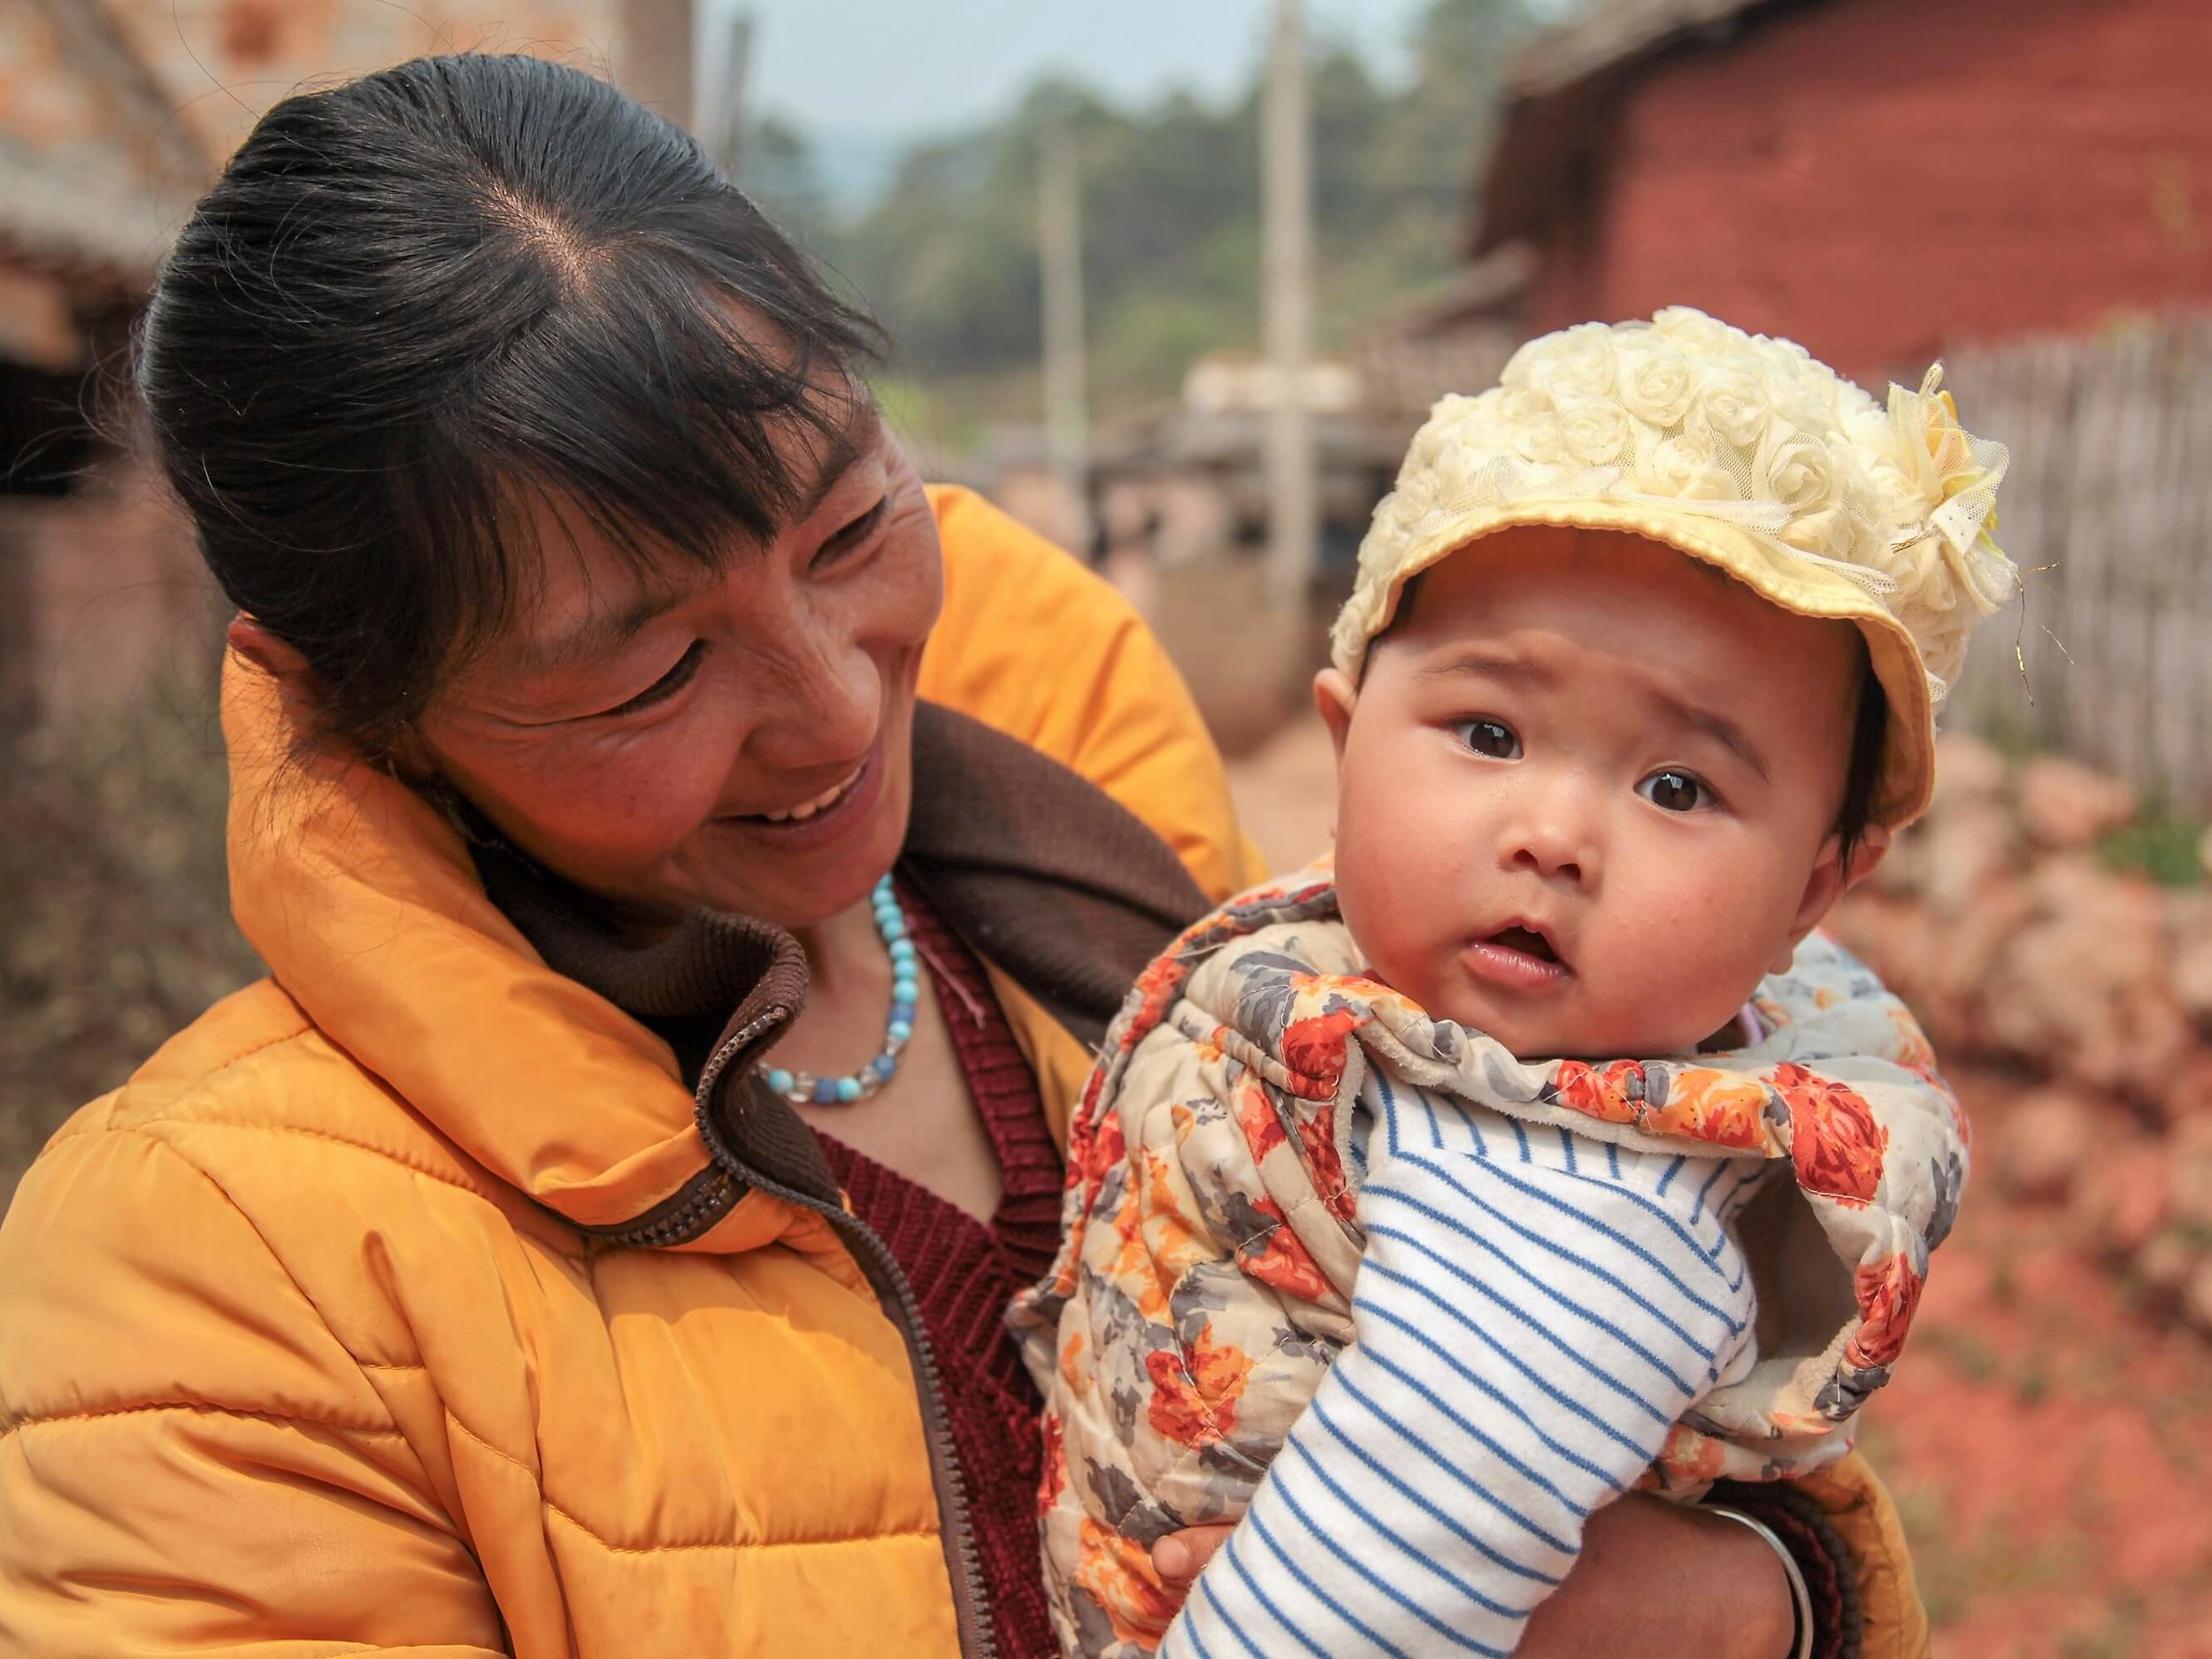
[(1508, 666), (1720, 728), (1513, 669)]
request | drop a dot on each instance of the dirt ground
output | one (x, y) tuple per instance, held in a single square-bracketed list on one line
[(2049, 1445)]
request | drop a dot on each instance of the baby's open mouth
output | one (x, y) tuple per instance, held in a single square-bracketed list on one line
[(1525, 940), (1517, 958)]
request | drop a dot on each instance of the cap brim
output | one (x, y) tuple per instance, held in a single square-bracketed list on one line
[(1795, 583)]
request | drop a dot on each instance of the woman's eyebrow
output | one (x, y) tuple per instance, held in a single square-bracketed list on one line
[(598, 633), (603, 630), (856, 438)]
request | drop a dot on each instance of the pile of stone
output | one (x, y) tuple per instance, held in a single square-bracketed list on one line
[(2020, 946)]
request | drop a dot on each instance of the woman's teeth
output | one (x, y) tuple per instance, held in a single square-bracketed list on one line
[(806, 809)]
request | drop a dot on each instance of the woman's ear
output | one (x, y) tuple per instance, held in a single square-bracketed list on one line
[(298, 689), (269, 654), (302, 693), (1831, 879), (1333, 696)]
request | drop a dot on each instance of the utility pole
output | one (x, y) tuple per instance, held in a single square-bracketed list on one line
[(1287, 278), (1060, 245), (654, 43), (727, 129)]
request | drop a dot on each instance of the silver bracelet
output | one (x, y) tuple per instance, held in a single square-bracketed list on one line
[(1801, 1597)]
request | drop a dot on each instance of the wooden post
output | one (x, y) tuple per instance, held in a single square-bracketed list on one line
[(1060, 251), (1286, 274), (653, 56)]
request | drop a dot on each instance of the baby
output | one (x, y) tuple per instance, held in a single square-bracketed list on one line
[(1546, 1109)]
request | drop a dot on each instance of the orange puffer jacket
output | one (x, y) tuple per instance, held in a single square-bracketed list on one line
[(309, 1346)]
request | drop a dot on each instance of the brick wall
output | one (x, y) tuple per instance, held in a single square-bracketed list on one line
[(224, 62), (1874, 178)]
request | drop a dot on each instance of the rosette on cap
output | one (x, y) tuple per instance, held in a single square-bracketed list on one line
[(1742, 450), (1949, 569)]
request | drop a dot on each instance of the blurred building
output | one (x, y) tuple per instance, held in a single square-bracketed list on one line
[(1877, 179), (114, 115), (1189, 481), (2023, 188)]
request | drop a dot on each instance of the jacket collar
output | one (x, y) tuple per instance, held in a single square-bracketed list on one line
[(363, 901), (511, 1025)]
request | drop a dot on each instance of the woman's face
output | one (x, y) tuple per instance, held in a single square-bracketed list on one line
[(739, 739)]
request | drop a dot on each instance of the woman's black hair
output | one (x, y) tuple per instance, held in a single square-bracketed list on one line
[(413, 303)]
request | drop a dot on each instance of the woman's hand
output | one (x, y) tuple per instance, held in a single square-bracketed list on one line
[(1625, 1594)]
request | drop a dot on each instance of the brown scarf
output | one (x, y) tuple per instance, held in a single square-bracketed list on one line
[(1037, 869)]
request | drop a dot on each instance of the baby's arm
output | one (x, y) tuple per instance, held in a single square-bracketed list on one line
[(1533, 1312)]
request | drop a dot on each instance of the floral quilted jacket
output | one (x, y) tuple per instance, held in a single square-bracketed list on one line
[(1213, 1230)]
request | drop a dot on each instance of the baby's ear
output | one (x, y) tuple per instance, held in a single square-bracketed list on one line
[(1333, 694), (1831, 879)]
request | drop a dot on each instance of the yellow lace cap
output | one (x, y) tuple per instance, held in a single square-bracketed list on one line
[(1738, 449)]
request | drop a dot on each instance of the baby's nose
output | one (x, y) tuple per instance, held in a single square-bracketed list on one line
[(1557, 841)]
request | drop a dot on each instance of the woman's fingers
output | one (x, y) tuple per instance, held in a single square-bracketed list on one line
[(1180, 1557)]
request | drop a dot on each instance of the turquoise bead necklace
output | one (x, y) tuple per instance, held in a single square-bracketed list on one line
[(803, 1088)]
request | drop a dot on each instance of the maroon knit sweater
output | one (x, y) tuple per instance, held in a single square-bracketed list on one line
[(964, 1274)]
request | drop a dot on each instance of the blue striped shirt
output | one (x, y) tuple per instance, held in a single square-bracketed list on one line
[(1533, 1311)]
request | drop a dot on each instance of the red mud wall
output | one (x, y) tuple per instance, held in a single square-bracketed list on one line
[(1875, 178)]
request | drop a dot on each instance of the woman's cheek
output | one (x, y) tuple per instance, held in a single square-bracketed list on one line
[(909, 604), (637, 798)]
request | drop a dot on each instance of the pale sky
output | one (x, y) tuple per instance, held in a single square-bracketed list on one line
[(896, 69)]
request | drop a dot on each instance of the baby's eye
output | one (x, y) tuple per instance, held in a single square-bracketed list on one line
[(1675, 792), (1491, 738)]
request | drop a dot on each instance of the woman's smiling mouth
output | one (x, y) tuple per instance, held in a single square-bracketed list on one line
[(806, 809), (815, 823)]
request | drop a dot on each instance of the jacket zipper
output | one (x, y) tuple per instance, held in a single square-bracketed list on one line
[(705, 1202)]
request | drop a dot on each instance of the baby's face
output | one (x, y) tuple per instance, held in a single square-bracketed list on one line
[(1587, 792)]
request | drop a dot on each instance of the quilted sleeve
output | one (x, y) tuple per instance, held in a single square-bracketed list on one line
[(1186, 1327), (189, 1461)]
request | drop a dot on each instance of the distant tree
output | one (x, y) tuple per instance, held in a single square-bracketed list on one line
[(1171, 211)]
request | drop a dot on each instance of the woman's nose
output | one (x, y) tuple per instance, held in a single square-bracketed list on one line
[(827, 703)]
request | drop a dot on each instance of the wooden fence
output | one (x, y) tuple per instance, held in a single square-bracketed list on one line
[(2111, 487)]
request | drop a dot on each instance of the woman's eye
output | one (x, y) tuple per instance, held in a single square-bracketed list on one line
[(1675, 792), (853, 534), (1491, 738), (667, 686)]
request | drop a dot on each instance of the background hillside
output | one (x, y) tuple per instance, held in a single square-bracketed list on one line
[(948, 256)]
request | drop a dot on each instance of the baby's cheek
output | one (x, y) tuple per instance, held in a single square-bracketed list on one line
[(1379, 891), (1691, 957)]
